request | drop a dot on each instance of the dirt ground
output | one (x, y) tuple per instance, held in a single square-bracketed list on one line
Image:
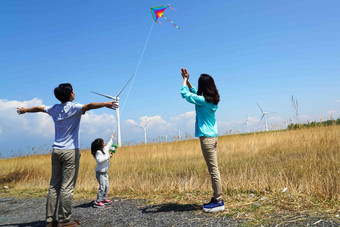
[(130, 212)]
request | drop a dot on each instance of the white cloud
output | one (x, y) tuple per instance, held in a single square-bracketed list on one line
[(276, 119), (39, 127), (131, 122), (332, 112), (180, 122), (94, 126), (36, 129), (19, 132), (155, 121), (187, 115), (254, 124), (238, 126), (253, 120), (184, 122), (159, 127), (337, 101), (29, 124), (304, 118), (307, 118)]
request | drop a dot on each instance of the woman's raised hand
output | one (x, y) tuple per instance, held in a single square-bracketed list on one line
[(185, 73)]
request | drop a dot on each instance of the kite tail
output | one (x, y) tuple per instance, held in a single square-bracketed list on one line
[(171, 22)]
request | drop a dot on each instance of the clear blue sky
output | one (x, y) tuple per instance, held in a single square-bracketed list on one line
[(257, 51)]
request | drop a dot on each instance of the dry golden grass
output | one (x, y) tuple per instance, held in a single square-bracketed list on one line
[(306, 161)]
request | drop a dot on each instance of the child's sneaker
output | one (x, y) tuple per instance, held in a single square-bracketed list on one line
[(213, 206), (107, 201), (98, 204)]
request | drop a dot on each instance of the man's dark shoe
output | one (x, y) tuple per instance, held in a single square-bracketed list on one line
[(52, 224), (69, 223)]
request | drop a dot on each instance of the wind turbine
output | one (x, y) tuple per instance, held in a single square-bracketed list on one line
[(166, 137), (246, 123), (231, 131), (144, 127), (179, 135), (116, 98), (295, 106), (264, 115)]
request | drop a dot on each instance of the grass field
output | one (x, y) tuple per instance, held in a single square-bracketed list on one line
[(255, 168)]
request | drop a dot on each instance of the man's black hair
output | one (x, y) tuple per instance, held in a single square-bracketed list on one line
[(63, 92)]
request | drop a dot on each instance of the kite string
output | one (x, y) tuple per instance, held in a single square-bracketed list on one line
[(172, 8), (133, 79), (140, 60)]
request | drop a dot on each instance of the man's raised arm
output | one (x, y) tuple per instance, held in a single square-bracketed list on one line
[(96, 105), (35, 109)]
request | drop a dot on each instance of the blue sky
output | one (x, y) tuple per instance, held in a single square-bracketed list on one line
[(257, 51)]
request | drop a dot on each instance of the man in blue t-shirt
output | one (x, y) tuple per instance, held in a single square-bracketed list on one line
[(65, 153)]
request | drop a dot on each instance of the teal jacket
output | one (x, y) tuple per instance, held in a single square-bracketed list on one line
[(206, 125)]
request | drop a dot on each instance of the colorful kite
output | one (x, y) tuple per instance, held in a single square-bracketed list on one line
[(158, 11)]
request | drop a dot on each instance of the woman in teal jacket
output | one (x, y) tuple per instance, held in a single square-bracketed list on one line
[(206, 100)]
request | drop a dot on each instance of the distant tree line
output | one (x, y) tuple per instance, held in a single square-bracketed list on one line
[(314, 124)]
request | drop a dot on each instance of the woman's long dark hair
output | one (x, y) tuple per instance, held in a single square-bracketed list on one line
[(207, 88), (96, 145)]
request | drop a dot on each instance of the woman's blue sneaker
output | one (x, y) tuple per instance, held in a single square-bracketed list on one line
[(213, 206)]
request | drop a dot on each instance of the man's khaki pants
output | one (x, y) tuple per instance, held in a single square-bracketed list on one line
[(209, 150), (65, 166)]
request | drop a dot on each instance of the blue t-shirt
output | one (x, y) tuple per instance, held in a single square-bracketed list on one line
[(66, 117), (206, 125)]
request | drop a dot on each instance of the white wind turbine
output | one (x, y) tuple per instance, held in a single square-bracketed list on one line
[(166, 137), (246, 123), (179, 134), (144, 128), (264, 115), (116, 98), (295, 106)]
